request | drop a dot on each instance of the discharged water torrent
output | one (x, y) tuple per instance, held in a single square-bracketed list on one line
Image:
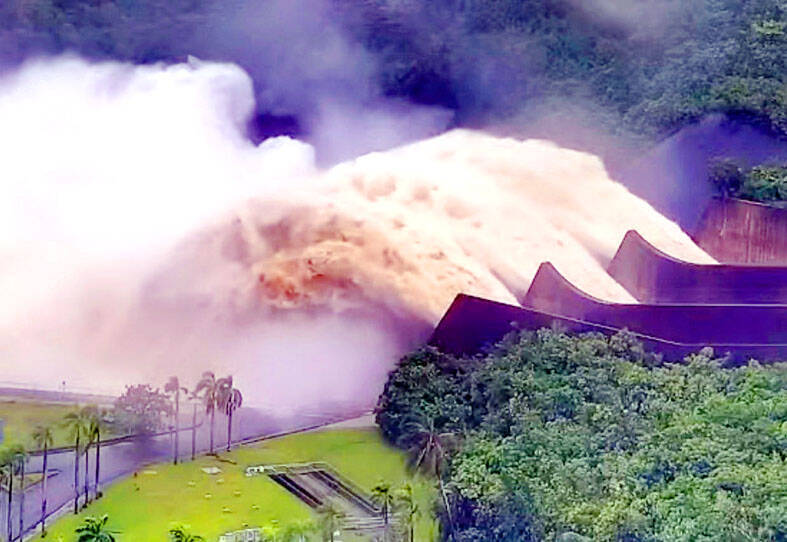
[(143, 235)]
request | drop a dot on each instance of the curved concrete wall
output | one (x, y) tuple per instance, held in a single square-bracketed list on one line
[(737, 231), (684, 323), (739, 310), (652, 276), (472, 325)]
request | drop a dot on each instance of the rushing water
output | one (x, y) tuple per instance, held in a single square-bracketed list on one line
[(142, 235)]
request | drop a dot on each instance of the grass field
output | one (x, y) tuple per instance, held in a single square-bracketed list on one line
[(143, 507), (21, 418)]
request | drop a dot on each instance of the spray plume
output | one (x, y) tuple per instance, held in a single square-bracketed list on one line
[(144, 236)]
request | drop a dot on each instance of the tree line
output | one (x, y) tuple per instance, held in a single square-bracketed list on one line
[(565, 437)]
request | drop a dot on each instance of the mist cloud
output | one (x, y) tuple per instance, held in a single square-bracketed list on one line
[(639, 19), (144, 235), (305, 64)]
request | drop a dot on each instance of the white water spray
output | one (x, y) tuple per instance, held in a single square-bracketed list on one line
[(141, 235)]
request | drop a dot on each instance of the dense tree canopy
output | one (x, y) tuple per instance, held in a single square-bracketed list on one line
[(588, 436), (653, 67)]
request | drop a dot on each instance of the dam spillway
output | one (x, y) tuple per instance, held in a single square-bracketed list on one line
[(652, 276), (738, 310)]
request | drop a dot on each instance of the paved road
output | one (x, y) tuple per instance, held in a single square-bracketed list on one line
[(123, 458)]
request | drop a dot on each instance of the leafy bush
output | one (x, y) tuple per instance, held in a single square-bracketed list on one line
[(766, 184), (583, 436), (727, 176), (140, 409)]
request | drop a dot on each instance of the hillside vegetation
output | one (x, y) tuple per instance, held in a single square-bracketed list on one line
[(558, 437), (653, 67)]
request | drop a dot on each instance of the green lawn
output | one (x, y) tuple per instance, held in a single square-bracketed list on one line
[(21, 417), (144, 506)]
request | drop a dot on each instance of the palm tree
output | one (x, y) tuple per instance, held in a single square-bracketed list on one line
[(208, 386), (3, 476), (271, 532), (330, 521), (43, 437), (21, 461), (94, 530), (90, 419), (7, 472), (11, 463), (180, 533), (8, 483), (173, 387), (429, 451), (194, 400), (230, 399), (384, 498), (404, 498), (75, 423), (298, 531), (95, 424), (430, 447)]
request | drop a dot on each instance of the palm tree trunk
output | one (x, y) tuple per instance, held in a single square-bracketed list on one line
[(43, 489), (87, 473), (447, 508), (177, 425), (2, 488), (194, 433), (385, 520), (229, 430), (8, 524), (22, 499), (76, 476), (98, 464), (212, 425)]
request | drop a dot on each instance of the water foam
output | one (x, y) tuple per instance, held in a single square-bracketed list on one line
[(142, 235)]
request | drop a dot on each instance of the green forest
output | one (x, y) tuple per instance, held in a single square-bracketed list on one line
[(571, 438), (649, 70)]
